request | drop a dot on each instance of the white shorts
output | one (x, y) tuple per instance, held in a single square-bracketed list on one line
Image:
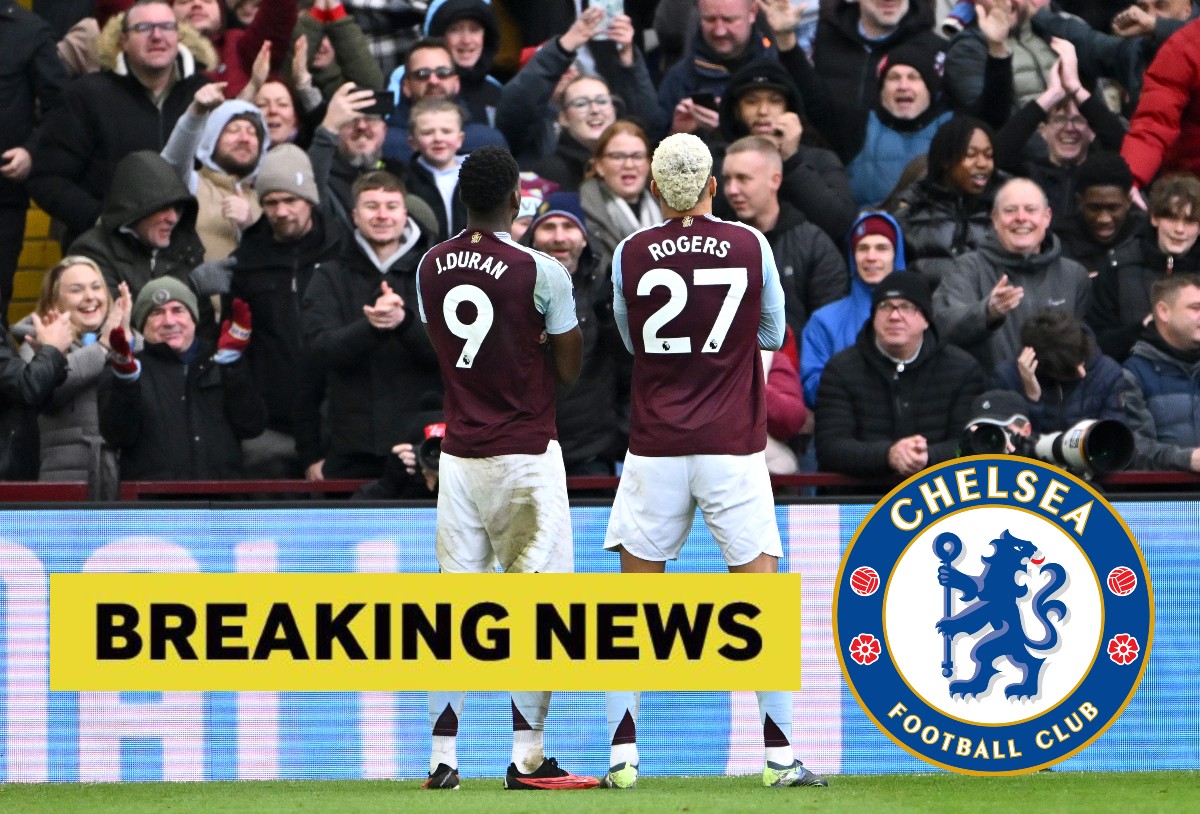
[(510, 509), (657, 500)]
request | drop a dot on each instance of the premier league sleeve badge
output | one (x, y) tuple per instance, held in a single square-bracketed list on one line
[(993, 615)]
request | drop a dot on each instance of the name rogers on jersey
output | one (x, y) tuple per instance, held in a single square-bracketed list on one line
[(471, 260), (685, 243)]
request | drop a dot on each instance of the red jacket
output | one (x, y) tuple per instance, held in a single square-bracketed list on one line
[(1165, 131), (237, 48)]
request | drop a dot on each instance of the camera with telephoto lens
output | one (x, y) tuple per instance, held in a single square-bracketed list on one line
[(429, 451), (1091, 448)]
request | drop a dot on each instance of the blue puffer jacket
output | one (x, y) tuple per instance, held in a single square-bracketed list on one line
[(1164, 410), (835, 327), (884, 155)]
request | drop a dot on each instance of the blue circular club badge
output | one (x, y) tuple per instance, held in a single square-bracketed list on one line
[(993, 615)]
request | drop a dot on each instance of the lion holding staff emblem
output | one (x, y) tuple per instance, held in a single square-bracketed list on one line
[(994, 600)]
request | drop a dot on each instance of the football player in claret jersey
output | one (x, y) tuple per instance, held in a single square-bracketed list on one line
[(695, 299), (502, 320)]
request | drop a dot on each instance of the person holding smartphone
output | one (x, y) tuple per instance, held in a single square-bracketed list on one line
[(728, 39)]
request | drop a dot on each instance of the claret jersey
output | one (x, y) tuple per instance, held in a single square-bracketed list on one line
[(486, 301), (695, 297)]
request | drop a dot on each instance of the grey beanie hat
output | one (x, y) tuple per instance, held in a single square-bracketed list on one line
[(161, 291), (286, 168)]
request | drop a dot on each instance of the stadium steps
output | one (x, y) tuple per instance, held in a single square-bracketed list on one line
[(38, 254)]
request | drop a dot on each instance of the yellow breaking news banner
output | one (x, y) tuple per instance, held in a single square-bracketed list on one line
[(381, 632)]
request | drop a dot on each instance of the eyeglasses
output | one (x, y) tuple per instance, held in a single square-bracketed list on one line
[(584, 102), (441, 73), (902, 307), (621, 158), (1062, 120), (147, 28)]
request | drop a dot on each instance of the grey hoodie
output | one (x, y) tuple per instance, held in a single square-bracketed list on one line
[(960, 303)]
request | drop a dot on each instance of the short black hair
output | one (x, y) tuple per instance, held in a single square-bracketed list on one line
[(1103, 169), (487, 179), (950, 144)]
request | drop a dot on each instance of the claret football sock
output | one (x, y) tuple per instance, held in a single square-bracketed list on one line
[(529, 711)]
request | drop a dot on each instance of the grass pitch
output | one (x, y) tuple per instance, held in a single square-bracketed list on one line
[(1044, 793)]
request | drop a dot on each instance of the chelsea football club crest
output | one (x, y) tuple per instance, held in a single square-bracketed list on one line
[(993, 615)]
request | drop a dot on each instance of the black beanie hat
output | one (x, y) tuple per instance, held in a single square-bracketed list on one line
[(904, 285), (925, 60)]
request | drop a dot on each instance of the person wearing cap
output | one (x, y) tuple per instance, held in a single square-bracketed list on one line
[(271, 269), (147, 228), (228, 139), (177, 410), (851, 38), (902, 114), (592, 414), (696, 300), (897, 400), (981, 305), (762, 100), (811, 269), (876, 250), (359, 322), (531, 110), (1001, 408)]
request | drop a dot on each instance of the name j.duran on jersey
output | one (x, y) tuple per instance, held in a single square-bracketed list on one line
[(471, 260)]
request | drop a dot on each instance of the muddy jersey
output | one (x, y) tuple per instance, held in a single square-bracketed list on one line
[(485, 301), (694, 299)]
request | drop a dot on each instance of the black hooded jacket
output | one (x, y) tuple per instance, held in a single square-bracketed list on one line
[(143, 183), (478, 90)]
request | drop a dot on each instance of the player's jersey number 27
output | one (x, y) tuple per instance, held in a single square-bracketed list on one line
[(735, 278), (475, 332)]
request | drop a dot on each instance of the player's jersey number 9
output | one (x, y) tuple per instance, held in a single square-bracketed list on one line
[(735, 278), (475, 332)]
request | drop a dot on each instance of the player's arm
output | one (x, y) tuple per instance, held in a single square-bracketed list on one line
[(566, 352), (771, 324), (554, 297), (620, 308)]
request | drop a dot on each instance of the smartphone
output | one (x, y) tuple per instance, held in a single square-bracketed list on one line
[(383, 104), (612, 8), (707, 100)]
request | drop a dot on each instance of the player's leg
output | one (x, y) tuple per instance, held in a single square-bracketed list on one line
[(462, 547), (735, 497), (524, 510), (525, 513), (445, 709), (623, 759), (650, 520)]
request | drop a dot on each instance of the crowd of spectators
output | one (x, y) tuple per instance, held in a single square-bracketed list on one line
[(243, 191)]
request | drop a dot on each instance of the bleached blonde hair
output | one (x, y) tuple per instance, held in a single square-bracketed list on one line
[(681, 168)]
